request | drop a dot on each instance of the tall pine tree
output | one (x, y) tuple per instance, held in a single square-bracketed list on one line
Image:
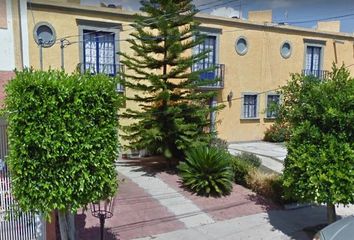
[(174, 113)]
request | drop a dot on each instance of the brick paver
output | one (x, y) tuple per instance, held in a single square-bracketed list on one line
[(136, 214)]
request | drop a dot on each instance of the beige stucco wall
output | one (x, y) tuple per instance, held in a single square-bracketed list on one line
[(262, 69), (3, 14), (260, 16), (330, 26)]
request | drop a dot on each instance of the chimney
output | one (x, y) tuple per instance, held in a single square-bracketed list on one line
[(260, 16), (329, 26)]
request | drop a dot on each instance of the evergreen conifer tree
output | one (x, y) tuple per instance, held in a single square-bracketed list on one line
[(174, 113)]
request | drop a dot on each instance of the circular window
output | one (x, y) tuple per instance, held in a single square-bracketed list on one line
[(285, 50), (241, 46), (44, 34)]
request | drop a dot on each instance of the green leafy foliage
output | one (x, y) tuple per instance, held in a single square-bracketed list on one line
[(172, 115), (240, 170), (250, 158), (277, 133), (219, 143), (207, 171), (63, 139), (319, 166)]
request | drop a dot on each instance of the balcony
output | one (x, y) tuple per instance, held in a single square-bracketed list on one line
[(109, 69), (217, 73), (321, 74)]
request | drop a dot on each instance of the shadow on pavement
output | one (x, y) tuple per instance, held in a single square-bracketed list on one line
[(150, 165), (92, 233), (295, 223)]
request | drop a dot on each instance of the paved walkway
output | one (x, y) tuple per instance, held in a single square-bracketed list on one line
[(188, 213), (273, 224), (271, 154)]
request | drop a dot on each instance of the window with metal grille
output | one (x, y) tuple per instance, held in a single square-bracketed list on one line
[(250, 106), (313, 60), (272, 103), (99, 52), (209, 44)]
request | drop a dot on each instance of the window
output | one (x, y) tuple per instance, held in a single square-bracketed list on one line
[(44, 34), (99, 47), (99, 52), (209, 44), (273, 101), (285, 49), (313, 60), (250, 104), (241, 46)]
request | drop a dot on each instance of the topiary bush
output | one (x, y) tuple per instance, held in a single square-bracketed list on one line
[(276, 133), (250, 159), (63, 138), (207, 171)]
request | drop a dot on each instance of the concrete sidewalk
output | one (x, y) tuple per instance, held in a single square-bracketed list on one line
[(273, 225), (271, 154), (200, 223)]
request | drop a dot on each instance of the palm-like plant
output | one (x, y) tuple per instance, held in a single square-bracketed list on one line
[(207, 171)]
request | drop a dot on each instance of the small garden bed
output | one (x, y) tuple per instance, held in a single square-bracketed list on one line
[(211, 171)]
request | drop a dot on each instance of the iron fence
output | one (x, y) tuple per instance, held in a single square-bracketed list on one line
[(14, 225)]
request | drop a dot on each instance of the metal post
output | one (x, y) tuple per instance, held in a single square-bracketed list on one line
[(213, 104), (62, 53), (41, 54), (102, 220)]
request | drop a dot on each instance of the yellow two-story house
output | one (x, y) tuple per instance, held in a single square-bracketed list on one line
[(253, 57)]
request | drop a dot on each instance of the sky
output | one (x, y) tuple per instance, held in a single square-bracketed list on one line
[(294, 12)]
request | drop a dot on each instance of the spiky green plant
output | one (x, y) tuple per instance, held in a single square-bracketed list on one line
[(207, 171)]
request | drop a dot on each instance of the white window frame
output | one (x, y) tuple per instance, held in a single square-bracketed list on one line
[(314, 43), (243, 117), (89, 25), (211, 32)]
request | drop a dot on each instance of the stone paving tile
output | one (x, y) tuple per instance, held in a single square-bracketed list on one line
[(136, 214), (241, 202)]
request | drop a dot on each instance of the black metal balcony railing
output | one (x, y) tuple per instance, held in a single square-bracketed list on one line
[(217, 73), (109, 69), (321, 74)]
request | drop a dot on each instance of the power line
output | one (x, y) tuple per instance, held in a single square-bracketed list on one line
[(155, 20), (321, 19)]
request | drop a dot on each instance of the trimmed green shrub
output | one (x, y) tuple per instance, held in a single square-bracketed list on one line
[(207, 171), (63, 139), (276, 133), (240, 169), (250, 159)]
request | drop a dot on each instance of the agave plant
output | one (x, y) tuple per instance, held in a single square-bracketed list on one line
[(207, 171)]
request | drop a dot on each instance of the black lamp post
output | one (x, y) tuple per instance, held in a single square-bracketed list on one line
[(102, 210)]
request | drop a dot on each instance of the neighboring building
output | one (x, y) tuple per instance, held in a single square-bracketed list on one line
[(13, 39), (252, 57)]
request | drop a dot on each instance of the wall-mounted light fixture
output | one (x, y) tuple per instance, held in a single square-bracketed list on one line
[(230, 97)]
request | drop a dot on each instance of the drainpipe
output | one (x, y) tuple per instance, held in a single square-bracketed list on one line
[(20, 29), (23, 26)]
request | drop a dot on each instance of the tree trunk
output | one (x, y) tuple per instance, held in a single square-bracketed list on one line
[(66, 225), (331, 213)]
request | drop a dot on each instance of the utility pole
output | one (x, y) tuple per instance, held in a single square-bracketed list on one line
[(63, 44), (240, 13), (40, 41), (62, 53)]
